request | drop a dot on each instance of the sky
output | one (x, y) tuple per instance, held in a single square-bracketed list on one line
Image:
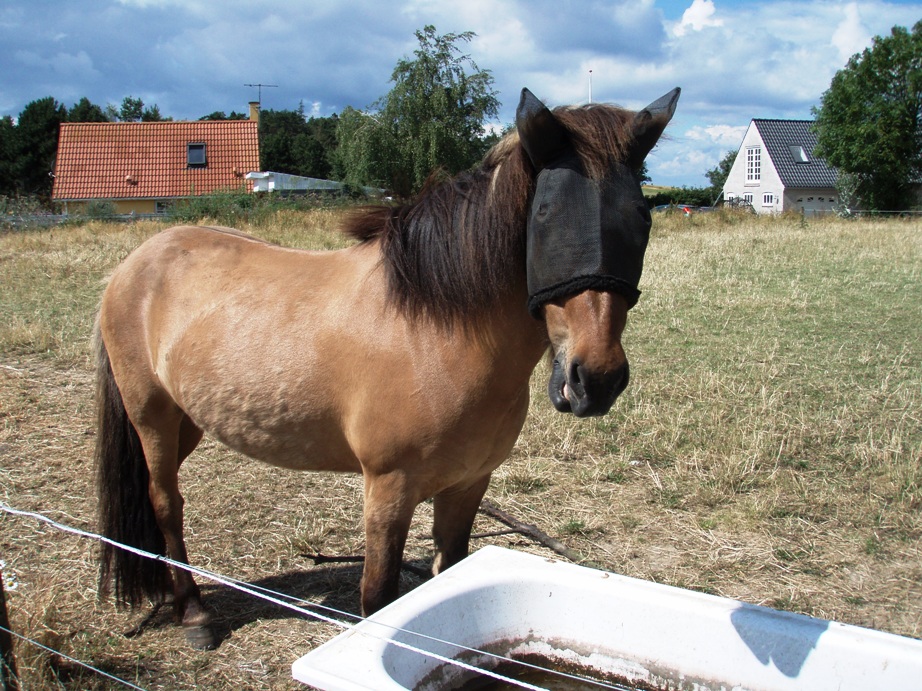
[(735, 60)]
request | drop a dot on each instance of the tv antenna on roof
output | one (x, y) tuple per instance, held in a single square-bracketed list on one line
[(260, 92)]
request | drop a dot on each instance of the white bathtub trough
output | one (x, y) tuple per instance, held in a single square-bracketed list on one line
[(606, 626)]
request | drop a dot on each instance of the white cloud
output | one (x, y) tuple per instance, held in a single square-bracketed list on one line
[(697, 17), (725, 135), (851, 35)]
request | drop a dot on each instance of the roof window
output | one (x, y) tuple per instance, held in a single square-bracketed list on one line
[(195, 155), (798, 154)]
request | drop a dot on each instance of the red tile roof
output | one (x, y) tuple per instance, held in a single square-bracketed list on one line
[(144, 160)]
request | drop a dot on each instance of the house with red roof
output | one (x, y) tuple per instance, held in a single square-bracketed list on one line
[(143, 167)]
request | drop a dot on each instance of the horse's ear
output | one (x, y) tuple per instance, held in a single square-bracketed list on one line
[(543, 137), (649, 124)]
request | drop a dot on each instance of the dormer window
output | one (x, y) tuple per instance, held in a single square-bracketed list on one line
[(195, 155), (798, 154)]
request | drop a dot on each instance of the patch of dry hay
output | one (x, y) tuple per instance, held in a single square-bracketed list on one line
[(769, 448)]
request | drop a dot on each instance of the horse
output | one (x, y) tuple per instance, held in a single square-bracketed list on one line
[(405, 357)]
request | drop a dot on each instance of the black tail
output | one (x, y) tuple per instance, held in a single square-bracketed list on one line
[(126, 514)]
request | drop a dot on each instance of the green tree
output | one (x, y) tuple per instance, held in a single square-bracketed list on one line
[(365, 154), (85, 111), (131, 110), (221, 115), (152, 114), (644, 174), (8, 153), (36, 143), (291, 143), (134, 110), (278, 130), (718, 176), (433, 117), (869, 122)]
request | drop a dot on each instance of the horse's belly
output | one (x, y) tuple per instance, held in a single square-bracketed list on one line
[(304, 449), (283, 427)]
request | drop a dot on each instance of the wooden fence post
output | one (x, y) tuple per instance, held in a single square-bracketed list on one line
[(8, 678)]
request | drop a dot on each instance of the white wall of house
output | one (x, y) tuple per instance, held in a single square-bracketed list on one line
[(811, 202), (753, 177)]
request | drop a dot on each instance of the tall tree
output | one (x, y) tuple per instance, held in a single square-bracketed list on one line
[(718, 176), (36, 144), (644, 174), (221, 115), (152, 114), (134, 110), (291, 143), (869, 122), (86, 111), (8, 155), (434, 116)]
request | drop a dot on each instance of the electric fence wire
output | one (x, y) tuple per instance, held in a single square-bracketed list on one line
[(74, 660), (279, 599)]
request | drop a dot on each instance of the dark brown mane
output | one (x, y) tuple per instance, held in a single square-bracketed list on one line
[(461, 242)]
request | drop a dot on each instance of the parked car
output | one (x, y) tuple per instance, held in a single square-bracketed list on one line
[(687, 209)]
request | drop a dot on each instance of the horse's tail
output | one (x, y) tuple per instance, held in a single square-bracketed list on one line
[(126, 514)]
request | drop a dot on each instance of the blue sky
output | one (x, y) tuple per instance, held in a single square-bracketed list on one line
[(734, 59)]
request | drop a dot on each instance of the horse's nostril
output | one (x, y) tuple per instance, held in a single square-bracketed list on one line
[(576, 378)]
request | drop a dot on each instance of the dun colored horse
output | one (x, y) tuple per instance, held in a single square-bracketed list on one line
[(405, 357)]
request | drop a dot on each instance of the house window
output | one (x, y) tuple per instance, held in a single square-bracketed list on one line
[(195, 155), (768, 199), (753, 164), (748, 198), (798, 154)]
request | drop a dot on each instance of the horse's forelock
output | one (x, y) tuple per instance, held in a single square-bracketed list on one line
[(600, 133)]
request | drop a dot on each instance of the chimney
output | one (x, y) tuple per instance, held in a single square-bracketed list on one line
[(254, 111)]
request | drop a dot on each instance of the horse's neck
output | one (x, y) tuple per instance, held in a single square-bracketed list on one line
[(511, 334)]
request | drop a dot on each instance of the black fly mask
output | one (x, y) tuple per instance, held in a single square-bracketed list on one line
[(578, 239), (585, 234)]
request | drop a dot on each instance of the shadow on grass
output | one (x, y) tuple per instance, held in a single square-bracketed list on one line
[(330, 590)]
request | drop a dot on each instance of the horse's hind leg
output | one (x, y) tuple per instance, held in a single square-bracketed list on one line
[(454, 512), (166, 446)]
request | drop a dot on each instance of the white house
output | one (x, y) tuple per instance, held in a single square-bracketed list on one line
[(775, 170)]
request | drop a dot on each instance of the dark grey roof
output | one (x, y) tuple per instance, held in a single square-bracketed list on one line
[(779, 136)]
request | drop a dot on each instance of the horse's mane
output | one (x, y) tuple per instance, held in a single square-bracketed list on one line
[(461, 242)]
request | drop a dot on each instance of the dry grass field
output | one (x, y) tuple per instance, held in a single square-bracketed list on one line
[(769, 448)]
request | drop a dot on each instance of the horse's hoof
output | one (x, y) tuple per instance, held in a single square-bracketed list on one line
[(201, 637)]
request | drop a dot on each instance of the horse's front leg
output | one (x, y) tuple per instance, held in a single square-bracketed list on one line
[(389, 506), (455, 510)]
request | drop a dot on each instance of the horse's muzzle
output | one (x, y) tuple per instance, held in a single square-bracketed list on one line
[(575, 389)]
